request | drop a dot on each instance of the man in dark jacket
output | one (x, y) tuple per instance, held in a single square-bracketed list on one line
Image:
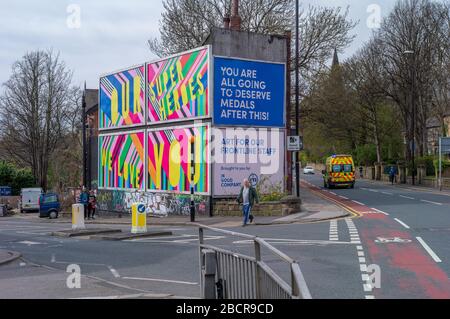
[(247, 197)]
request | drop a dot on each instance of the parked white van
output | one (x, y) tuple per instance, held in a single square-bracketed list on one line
[(29, 199)]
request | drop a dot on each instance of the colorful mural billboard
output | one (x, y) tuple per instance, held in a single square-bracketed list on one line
[(121, 161), (178, 87), (169, 160), (122, 99)]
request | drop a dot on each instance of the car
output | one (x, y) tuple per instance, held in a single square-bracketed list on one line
[(308, 170), (29, 199), (49, 206)]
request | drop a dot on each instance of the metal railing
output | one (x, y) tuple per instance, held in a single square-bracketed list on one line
[(237, 276)]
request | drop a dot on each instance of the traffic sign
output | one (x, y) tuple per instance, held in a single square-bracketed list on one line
[(445, 144), (294, 143)]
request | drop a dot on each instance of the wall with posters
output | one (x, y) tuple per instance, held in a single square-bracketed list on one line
[(178, 87), (249, 93), (255, 154), (169, 164), (122, 99), (121, 161)]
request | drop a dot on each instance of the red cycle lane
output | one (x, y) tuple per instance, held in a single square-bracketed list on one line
[(407, 271)]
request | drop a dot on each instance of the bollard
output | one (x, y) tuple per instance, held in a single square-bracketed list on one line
[(209, 269), (78, 217), (138, 219)]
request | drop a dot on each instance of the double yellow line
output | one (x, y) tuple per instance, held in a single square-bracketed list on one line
[(354, 213)]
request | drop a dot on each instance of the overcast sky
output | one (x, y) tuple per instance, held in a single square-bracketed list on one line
[(112, 34)]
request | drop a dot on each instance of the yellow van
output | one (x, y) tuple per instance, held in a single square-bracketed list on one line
[(340, 171)]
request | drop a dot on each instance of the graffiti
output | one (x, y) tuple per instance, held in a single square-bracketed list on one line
[(122, 99), (178, 87), (169, 162), (121, 161), (158, 205)]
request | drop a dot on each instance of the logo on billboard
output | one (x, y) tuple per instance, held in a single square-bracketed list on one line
[(254, 180)]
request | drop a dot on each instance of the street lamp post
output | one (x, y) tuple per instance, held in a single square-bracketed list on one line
[(192, 205), (297, 93), (414, 111)]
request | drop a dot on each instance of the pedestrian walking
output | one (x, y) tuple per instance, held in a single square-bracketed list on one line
[(392, 173), (84, 200), (361, 174), (247, 197), (92, 205)]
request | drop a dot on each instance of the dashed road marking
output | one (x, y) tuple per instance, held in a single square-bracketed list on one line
[(430, 202), (402, 223), (162, 280), (334, 232), (380, 211), (429, 250), (114, 272), (359, 203), (407, 197)]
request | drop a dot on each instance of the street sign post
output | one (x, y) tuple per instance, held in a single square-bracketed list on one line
[(294, 144), (444, 148)]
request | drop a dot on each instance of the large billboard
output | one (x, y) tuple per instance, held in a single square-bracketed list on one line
[(178, 87), (253, 154), (169, 160), (121, 161), (122, 99), (249, 93)]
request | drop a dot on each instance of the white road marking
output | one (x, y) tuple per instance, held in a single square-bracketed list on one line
[(162, 280), (114, 272), (362, 260), (430, 202), (380, 211), (333, 193), (368, 288), (359, 203), (370, 297), (360, 248), (407, 197), (29, 243), (402, 223), (278, 241), (361, 254), (343, 197), (363, 268), (429, 250), (22, 264)]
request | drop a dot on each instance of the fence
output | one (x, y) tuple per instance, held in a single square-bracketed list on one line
[(229, 275)]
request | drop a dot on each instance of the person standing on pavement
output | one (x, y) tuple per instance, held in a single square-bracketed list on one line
[(84, 200), (92, 205), (247, 197), (361, 175)]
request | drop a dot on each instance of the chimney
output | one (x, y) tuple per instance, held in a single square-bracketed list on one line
[(226, 21), (235, 21)]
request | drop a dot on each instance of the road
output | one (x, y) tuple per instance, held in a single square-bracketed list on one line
[(417, 263), (403, 234)]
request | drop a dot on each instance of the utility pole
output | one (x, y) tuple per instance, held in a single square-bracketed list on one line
[(297, 92), (83, 110)]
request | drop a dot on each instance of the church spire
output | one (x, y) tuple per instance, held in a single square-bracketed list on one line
[(335, 59)]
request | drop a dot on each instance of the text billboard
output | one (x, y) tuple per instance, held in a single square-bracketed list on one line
[(249, 93), (178, 87), (253, 154), (122, 99), (121, 161), (169, 160)]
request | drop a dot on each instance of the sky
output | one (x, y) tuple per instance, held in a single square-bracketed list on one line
[(95, 37)]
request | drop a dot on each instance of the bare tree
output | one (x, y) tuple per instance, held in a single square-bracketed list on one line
[(34, 110), (417, 26)]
